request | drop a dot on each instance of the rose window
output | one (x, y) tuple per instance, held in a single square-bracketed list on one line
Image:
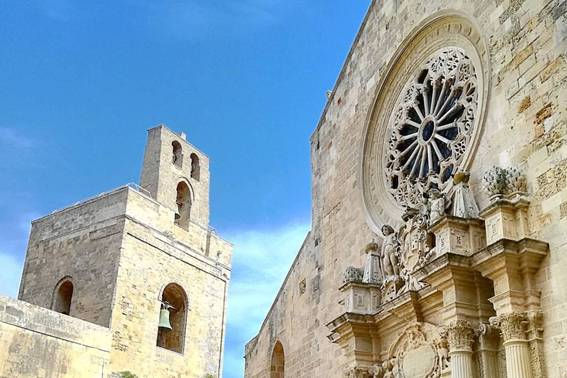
[(431, 127)]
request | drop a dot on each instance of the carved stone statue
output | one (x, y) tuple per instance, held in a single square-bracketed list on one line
[(464, 205), (377, 371), (372, 267), (442, 352), (390, 254), (437, 205)]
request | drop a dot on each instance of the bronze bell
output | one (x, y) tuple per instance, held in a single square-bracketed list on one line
[(164, 316), (164, 319)]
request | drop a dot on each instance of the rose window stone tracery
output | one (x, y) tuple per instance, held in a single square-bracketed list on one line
[(431, 126)]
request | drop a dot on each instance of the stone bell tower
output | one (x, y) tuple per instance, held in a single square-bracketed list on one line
[(176, 174), (115, 259)]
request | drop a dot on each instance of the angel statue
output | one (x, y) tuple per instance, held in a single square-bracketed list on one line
[(464, 205)]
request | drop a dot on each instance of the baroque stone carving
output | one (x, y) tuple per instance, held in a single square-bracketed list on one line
[(460, 335), (426, 118), (464, 204), (498, 182), (512, 326), (353, 274), (420, 351), (431, 127), (438, 205)]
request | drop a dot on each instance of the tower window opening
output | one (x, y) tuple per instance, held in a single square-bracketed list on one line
[(195, 167), (183, 202), (173, 318), (177, 154), (63, 297)]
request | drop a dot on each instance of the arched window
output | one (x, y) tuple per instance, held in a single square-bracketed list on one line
[(174, 301), (177, 154), (63, 296), (183, 201), (195, 167), (278, 361)]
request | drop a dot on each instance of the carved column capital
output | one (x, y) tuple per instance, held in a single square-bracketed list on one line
[(460, 336), (512, 326)]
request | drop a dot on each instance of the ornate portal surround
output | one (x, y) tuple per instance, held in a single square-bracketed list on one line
[(427, 116)]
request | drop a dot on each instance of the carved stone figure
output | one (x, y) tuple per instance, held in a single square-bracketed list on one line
[(442, 346), (437, 205), (464, 204), (390, 254), (372, 267), (377, 371), (410, 282)]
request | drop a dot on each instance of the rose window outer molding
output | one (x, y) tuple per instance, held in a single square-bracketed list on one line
[(427, 115), (431, 126)]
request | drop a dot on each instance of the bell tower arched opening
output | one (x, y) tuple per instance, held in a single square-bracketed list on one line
[(173, 318), (183, 202)]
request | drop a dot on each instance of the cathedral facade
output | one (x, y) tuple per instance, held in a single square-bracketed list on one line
[(438, 245), (130, 283)]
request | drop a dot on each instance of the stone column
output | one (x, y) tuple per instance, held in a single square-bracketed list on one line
[(512, 327), (460, 336)]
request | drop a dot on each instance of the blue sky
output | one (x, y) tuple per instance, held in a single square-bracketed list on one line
[(82, 81)]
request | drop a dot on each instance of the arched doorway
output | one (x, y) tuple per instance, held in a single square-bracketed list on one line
[(278, 361)]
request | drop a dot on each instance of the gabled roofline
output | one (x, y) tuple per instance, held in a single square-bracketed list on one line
[(343, 69)]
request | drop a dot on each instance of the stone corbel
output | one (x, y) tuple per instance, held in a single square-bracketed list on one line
[(453, 276), (511, 266), (358, 336)]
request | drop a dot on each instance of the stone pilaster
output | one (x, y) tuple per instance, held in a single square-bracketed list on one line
[(488, 338), (460, 336), (513, 329), (535, 342)]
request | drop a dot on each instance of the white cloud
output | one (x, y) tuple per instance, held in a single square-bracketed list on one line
[(11, 138), (261, 261)]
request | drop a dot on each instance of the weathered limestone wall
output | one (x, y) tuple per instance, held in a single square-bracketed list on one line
[(525, 126), (150, 260), (36, 342), (81, 242), (201, 239)]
